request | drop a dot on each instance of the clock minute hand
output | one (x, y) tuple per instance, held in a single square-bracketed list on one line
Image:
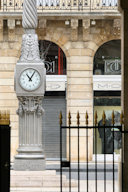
[(32, 76)]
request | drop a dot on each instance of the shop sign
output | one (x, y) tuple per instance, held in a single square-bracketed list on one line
[(104, 86), (113, 66), (55, 86), (50, 66)]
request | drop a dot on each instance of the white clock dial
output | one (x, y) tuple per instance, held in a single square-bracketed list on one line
[(30, 79)]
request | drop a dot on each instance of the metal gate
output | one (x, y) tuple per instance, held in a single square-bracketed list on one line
[(116, 134)]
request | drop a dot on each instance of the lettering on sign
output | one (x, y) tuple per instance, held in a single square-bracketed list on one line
[(107, 86), (50, 66), (55, 86), (113, 66)]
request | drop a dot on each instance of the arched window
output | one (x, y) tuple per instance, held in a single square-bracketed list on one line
[(107, 60), (54, 58)]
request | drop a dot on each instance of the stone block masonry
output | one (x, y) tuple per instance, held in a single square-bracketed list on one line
[(79, 51)]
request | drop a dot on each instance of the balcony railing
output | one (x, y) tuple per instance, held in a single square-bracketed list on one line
[(63, 5)]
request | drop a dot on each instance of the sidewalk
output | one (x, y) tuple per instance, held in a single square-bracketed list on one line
[(49, 180)]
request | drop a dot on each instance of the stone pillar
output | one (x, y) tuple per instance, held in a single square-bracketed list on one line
[(80, 97), (30, 152), (124, 6)]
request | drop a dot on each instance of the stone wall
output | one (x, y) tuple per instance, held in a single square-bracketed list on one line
[(79, 40), (8, 100)]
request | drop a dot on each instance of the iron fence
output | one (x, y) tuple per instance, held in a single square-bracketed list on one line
[(59, 5), (111, 141)]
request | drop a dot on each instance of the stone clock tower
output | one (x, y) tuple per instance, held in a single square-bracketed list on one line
[(30, 77)]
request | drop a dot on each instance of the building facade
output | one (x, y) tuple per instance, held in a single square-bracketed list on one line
[(80, 45)]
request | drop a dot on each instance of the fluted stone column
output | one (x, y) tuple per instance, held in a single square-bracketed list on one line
[(30, 152)]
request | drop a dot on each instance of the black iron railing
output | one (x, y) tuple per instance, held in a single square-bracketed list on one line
[(59, 5), (111, 133)]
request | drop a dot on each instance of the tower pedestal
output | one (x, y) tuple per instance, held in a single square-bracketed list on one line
[(30, 152)]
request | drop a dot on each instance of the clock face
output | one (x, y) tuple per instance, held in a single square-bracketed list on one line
[(30, 79)]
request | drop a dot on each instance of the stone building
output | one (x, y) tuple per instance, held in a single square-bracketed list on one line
[(82, 57)]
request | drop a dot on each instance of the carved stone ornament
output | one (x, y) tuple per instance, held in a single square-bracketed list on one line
[(30, 105), (74, 23), (30, 48), (29, 18), (86, 23)]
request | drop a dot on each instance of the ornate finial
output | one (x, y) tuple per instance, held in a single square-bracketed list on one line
[(29, 18), (122, 118), (104, 118), (78, 118), (61, 117), (96, 117), (113, 118), (69, 118), (86, 117), (4, 117)]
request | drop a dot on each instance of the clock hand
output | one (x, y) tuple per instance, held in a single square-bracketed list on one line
[(32, 76), (28, 77)]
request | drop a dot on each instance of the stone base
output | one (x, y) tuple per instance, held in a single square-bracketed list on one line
[(41, 181), (29, 164)]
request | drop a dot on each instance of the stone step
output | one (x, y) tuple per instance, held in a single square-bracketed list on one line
[(34, 179), (39, 178), (17, 181), (41, 183), (53, 189), (35, 173)]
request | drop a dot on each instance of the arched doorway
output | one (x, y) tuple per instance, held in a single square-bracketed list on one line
[(107, 86), (54, 99)]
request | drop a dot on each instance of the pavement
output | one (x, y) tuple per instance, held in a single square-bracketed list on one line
[(54, 186), (83, 171)]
